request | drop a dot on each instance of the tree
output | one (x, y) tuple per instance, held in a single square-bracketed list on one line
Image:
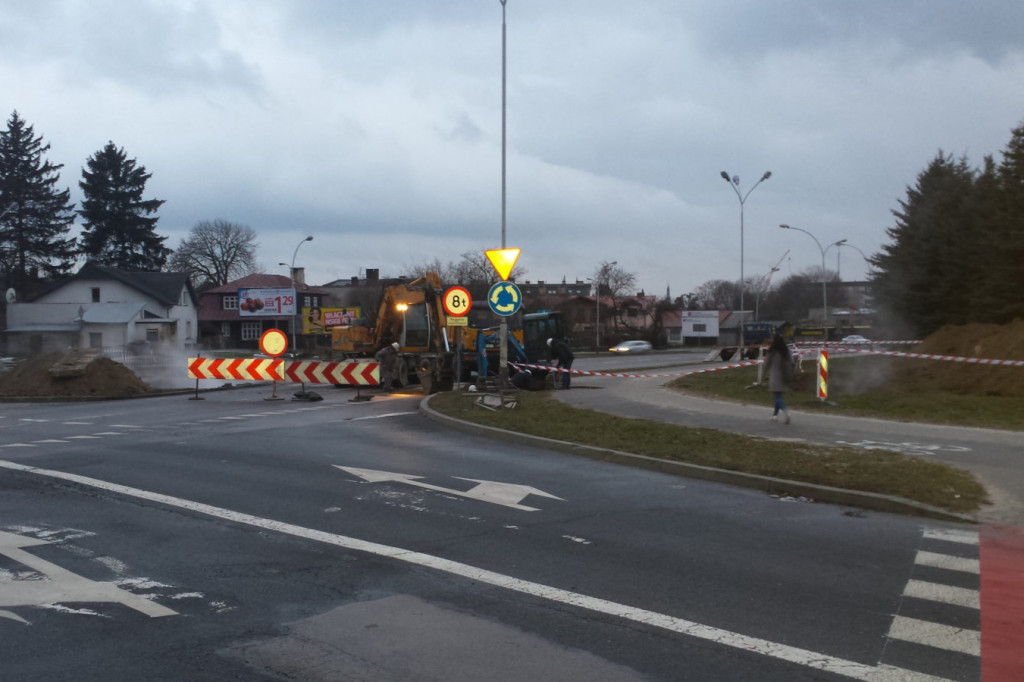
[(216, 252), (716, 294), (1006, 266), (35, 217), (118, 224), (922, 275)]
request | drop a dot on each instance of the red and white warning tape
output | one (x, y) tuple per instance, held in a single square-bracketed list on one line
[(751, 363), (947, 358)]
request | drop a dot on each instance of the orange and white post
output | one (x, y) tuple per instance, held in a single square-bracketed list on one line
[(822, 374)]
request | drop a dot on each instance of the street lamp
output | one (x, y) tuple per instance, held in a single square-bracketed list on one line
[(734, 182), (824, 289), (862, 255), (597, 304), (295, 305)]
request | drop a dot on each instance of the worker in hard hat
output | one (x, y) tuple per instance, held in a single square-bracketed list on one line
[(563, 357), (387, 361)]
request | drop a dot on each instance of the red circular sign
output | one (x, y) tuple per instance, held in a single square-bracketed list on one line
[(274, 342), (457, 301)]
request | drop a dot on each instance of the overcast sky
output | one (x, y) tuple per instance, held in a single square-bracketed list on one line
[(375, 126)]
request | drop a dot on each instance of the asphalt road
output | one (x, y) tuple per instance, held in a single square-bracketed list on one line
[(240, 538), (996, 457)]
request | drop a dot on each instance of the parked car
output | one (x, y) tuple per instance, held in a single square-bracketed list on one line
[(855, 338), (631, 347)]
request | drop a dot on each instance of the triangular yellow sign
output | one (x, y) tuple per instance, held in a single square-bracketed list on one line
[(503, 261)]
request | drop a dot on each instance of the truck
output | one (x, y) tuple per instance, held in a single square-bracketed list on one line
[(431, 352)]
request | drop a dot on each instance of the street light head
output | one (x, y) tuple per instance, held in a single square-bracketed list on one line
[(767, 174)]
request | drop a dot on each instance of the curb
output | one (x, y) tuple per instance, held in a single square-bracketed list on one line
[(775, 486)]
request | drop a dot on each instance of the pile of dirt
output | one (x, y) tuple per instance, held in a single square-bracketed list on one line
[(998, 342), (101, 376)]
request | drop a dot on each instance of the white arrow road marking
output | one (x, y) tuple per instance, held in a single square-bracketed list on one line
[(62, 585), (782, 652), (505, 494)]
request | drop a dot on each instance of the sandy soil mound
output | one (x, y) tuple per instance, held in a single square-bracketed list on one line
[(999, 342), (100, 377)]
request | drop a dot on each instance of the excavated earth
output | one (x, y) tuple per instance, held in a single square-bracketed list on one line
[(99, 377), (33, 378)]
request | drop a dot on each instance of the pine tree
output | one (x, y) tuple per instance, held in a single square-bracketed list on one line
[(118, 224), (35, 217), (920, 276), (1007, 262)]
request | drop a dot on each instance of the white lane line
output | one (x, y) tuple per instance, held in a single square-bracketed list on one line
[(936, 635), (947, 561), (957, 596), (379, 416), (783, 652), (966, 537)]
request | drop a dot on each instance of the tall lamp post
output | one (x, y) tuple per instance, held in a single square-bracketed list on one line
[(503, 325), (597, 305), (734, 182), (824, 288), (291, 273)]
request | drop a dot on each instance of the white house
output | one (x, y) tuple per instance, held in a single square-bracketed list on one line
[(103, 307)]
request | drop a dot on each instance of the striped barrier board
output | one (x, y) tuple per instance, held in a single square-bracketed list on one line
[(347, 373), (237, 369)]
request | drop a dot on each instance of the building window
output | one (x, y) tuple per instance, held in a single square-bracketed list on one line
[(250, 331), (95, 294), (225, 329), (231, 302)]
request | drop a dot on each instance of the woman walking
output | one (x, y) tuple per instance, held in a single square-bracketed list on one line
[(780, 371)]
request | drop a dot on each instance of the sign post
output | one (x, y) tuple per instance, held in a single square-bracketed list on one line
[(274, 343), (503, 261), (457, 303)]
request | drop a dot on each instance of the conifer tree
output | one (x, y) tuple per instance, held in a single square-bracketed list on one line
[(118, 224), (1007, 261), (35, 217)]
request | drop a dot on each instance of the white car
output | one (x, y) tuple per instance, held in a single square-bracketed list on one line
[(631, 347)]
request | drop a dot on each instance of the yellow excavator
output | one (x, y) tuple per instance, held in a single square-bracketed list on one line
[(411, 314)]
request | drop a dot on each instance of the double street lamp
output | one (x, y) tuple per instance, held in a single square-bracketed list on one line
[(824, 287), (734, 182), (597, 304)]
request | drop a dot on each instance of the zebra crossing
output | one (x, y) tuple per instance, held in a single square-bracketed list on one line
[(937, 628)]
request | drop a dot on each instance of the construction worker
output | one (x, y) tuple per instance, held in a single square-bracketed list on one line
[(563, 357), (387, 359)]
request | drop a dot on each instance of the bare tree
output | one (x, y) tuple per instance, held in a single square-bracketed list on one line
[(216, 252), (472, 270)]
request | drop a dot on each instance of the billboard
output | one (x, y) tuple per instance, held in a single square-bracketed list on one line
[(320, 320), (266, 302)]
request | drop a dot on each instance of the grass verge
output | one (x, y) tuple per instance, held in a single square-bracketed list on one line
[(874, 471), (860, 386)]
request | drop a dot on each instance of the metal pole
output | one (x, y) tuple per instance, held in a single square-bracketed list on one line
[(295, 303), (734, 182), (503, 326)]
